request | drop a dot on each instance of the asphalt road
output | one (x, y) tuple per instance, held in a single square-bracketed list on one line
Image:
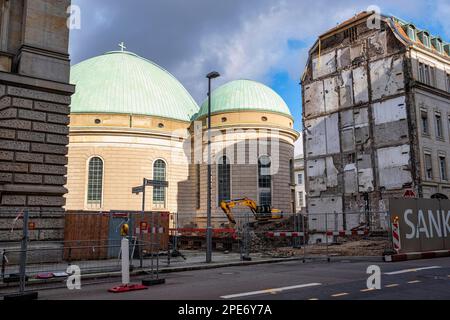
[(340, 280)]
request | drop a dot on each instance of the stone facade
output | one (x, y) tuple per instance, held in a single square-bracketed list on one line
[(130, 145), (34, 114)]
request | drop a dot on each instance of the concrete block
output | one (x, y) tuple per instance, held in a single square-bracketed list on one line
[(58, 118), (6, 177), (53, 159), (46, 201), (55, 180), (13, 167), (28, 178), (14, 145), (16, 124), (57, 139), (52, 107), (8, 113), (31, 136), (14, 200), (6, 155), (50, 128), (29, 157), (7, 134), (22, 103), (49, 148), (32, 115), (49, 169)]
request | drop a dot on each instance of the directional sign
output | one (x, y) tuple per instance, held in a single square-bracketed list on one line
[(157, 183), (137, 190)]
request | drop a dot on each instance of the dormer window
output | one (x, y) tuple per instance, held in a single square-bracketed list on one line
[(411, 31), (425, 38), (447, 48), (437, 44)]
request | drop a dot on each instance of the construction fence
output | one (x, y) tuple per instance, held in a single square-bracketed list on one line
[(42, 245), (327, 234)]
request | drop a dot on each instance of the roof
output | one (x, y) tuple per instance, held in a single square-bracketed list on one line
[(122, 82), (245, 95)]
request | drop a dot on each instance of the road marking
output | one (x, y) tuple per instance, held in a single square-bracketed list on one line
[(415, 281), (411, 270), (271, 291), (392, 285), (313, 299), (340, 295), (368, 290)]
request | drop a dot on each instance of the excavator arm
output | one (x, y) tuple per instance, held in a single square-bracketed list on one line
[(260, 213)]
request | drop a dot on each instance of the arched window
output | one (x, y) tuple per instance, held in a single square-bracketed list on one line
[(95, 182), (265, 181), (224, 177), (159, 174)]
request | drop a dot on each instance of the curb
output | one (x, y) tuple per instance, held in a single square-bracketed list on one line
[(417, 256)]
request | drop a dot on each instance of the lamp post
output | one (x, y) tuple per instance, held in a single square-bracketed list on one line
[(210, 76)]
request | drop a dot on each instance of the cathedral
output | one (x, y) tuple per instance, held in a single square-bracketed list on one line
[(130, 120)]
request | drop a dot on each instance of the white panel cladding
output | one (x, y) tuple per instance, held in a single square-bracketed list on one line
[(316, 137), (391, 110), (325, 214), (393, 167), (314, 99), (332, 173), (346, 88), (343, 57), (332, 132), (387, 77), (331, 94), (316, 177), (365, 177), (361, 117), (350, 179), (360, 85), (324, 65)]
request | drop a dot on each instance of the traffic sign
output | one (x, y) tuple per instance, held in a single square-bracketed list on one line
[(137, 190), (157, 183)]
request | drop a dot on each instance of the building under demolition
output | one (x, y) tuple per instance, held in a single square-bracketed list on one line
[(376, 115)]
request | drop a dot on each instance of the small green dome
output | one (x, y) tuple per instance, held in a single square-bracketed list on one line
[(245, 95), (124, 83)]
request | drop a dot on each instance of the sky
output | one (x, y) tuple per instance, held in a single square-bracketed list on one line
[(262, 40)]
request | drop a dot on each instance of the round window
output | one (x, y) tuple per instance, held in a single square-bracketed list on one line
[(161, 125), (224, 119), (98, 121), (264, 119)]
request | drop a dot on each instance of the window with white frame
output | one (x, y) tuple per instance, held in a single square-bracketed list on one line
[(95, 182), (159, 174), (265, 181), (300, 178)]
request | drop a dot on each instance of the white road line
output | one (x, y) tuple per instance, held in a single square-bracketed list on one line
[(392, 285), (367, 290), (415, 281), (270, 291), (340, 295), (411, 270)]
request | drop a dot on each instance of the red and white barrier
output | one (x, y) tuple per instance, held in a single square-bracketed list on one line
[(396, 237), (347, 233), (285, 234)]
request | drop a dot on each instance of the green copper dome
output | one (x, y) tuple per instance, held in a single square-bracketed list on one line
[(245, 95), (124, 83)]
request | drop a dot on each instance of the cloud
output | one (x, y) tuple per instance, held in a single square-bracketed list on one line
[(240, 39)]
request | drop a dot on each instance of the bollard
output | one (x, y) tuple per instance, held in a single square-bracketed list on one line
[(126, 286)]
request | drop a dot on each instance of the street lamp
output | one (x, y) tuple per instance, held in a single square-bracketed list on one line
[(210, 76)]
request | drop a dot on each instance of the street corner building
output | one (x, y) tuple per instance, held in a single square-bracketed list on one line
[(34, 114), (131, 119), (376, 96)]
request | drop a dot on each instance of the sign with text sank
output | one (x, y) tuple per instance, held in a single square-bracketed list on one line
[(423, 224)]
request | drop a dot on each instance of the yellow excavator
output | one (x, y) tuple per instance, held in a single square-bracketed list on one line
[(261, 213)]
